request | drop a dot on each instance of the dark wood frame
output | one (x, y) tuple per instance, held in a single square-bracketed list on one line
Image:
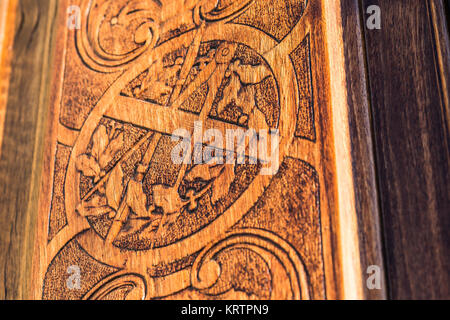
[(408, 72)]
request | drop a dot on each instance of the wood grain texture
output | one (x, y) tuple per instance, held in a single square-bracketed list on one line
[(114, 206), (440, 18), (361, 135), (87, 180), (7, 23), (19, 164), (410, 118)]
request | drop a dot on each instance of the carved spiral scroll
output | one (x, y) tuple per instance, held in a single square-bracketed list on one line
[(114, 33), (213, 273), (211, 11), (130, 26), (119, 287)]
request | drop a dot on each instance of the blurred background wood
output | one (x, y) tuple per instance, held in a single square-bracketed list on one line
[(7, 20), (22, 144), (408, 68), (364, 171)]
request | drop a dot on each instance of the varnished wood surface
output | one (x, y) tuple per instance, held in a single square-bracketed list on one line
[(375, 144), (367, 204), (23, 131), (410, 120), (7, 22), (178, 253)]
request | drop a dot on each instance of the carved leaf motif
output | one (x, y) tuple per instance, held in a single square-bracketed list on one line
[(111, 150), (114, 188), (100, 142), (104, 146), (88, 166)]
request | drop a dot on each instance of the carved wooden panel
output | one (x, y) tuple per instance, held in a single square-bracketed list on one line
[(118, 212)]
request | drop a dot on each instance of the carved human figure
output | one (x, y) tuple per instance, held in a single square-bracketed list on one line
[(134, 201)]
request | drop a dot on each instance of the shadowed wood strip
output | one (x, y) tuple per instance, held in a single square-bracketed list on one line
[(412, 149), (23, 131), (7, 26)]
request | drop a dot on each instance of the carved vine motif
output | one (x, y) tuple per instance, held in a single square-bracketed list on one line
[(244, 261), (127, 203), (240, 264)]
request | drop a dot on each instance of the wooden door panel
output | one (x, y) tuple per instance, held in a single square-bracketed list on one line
[(111, 215), (115, 207), (104, 196)]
